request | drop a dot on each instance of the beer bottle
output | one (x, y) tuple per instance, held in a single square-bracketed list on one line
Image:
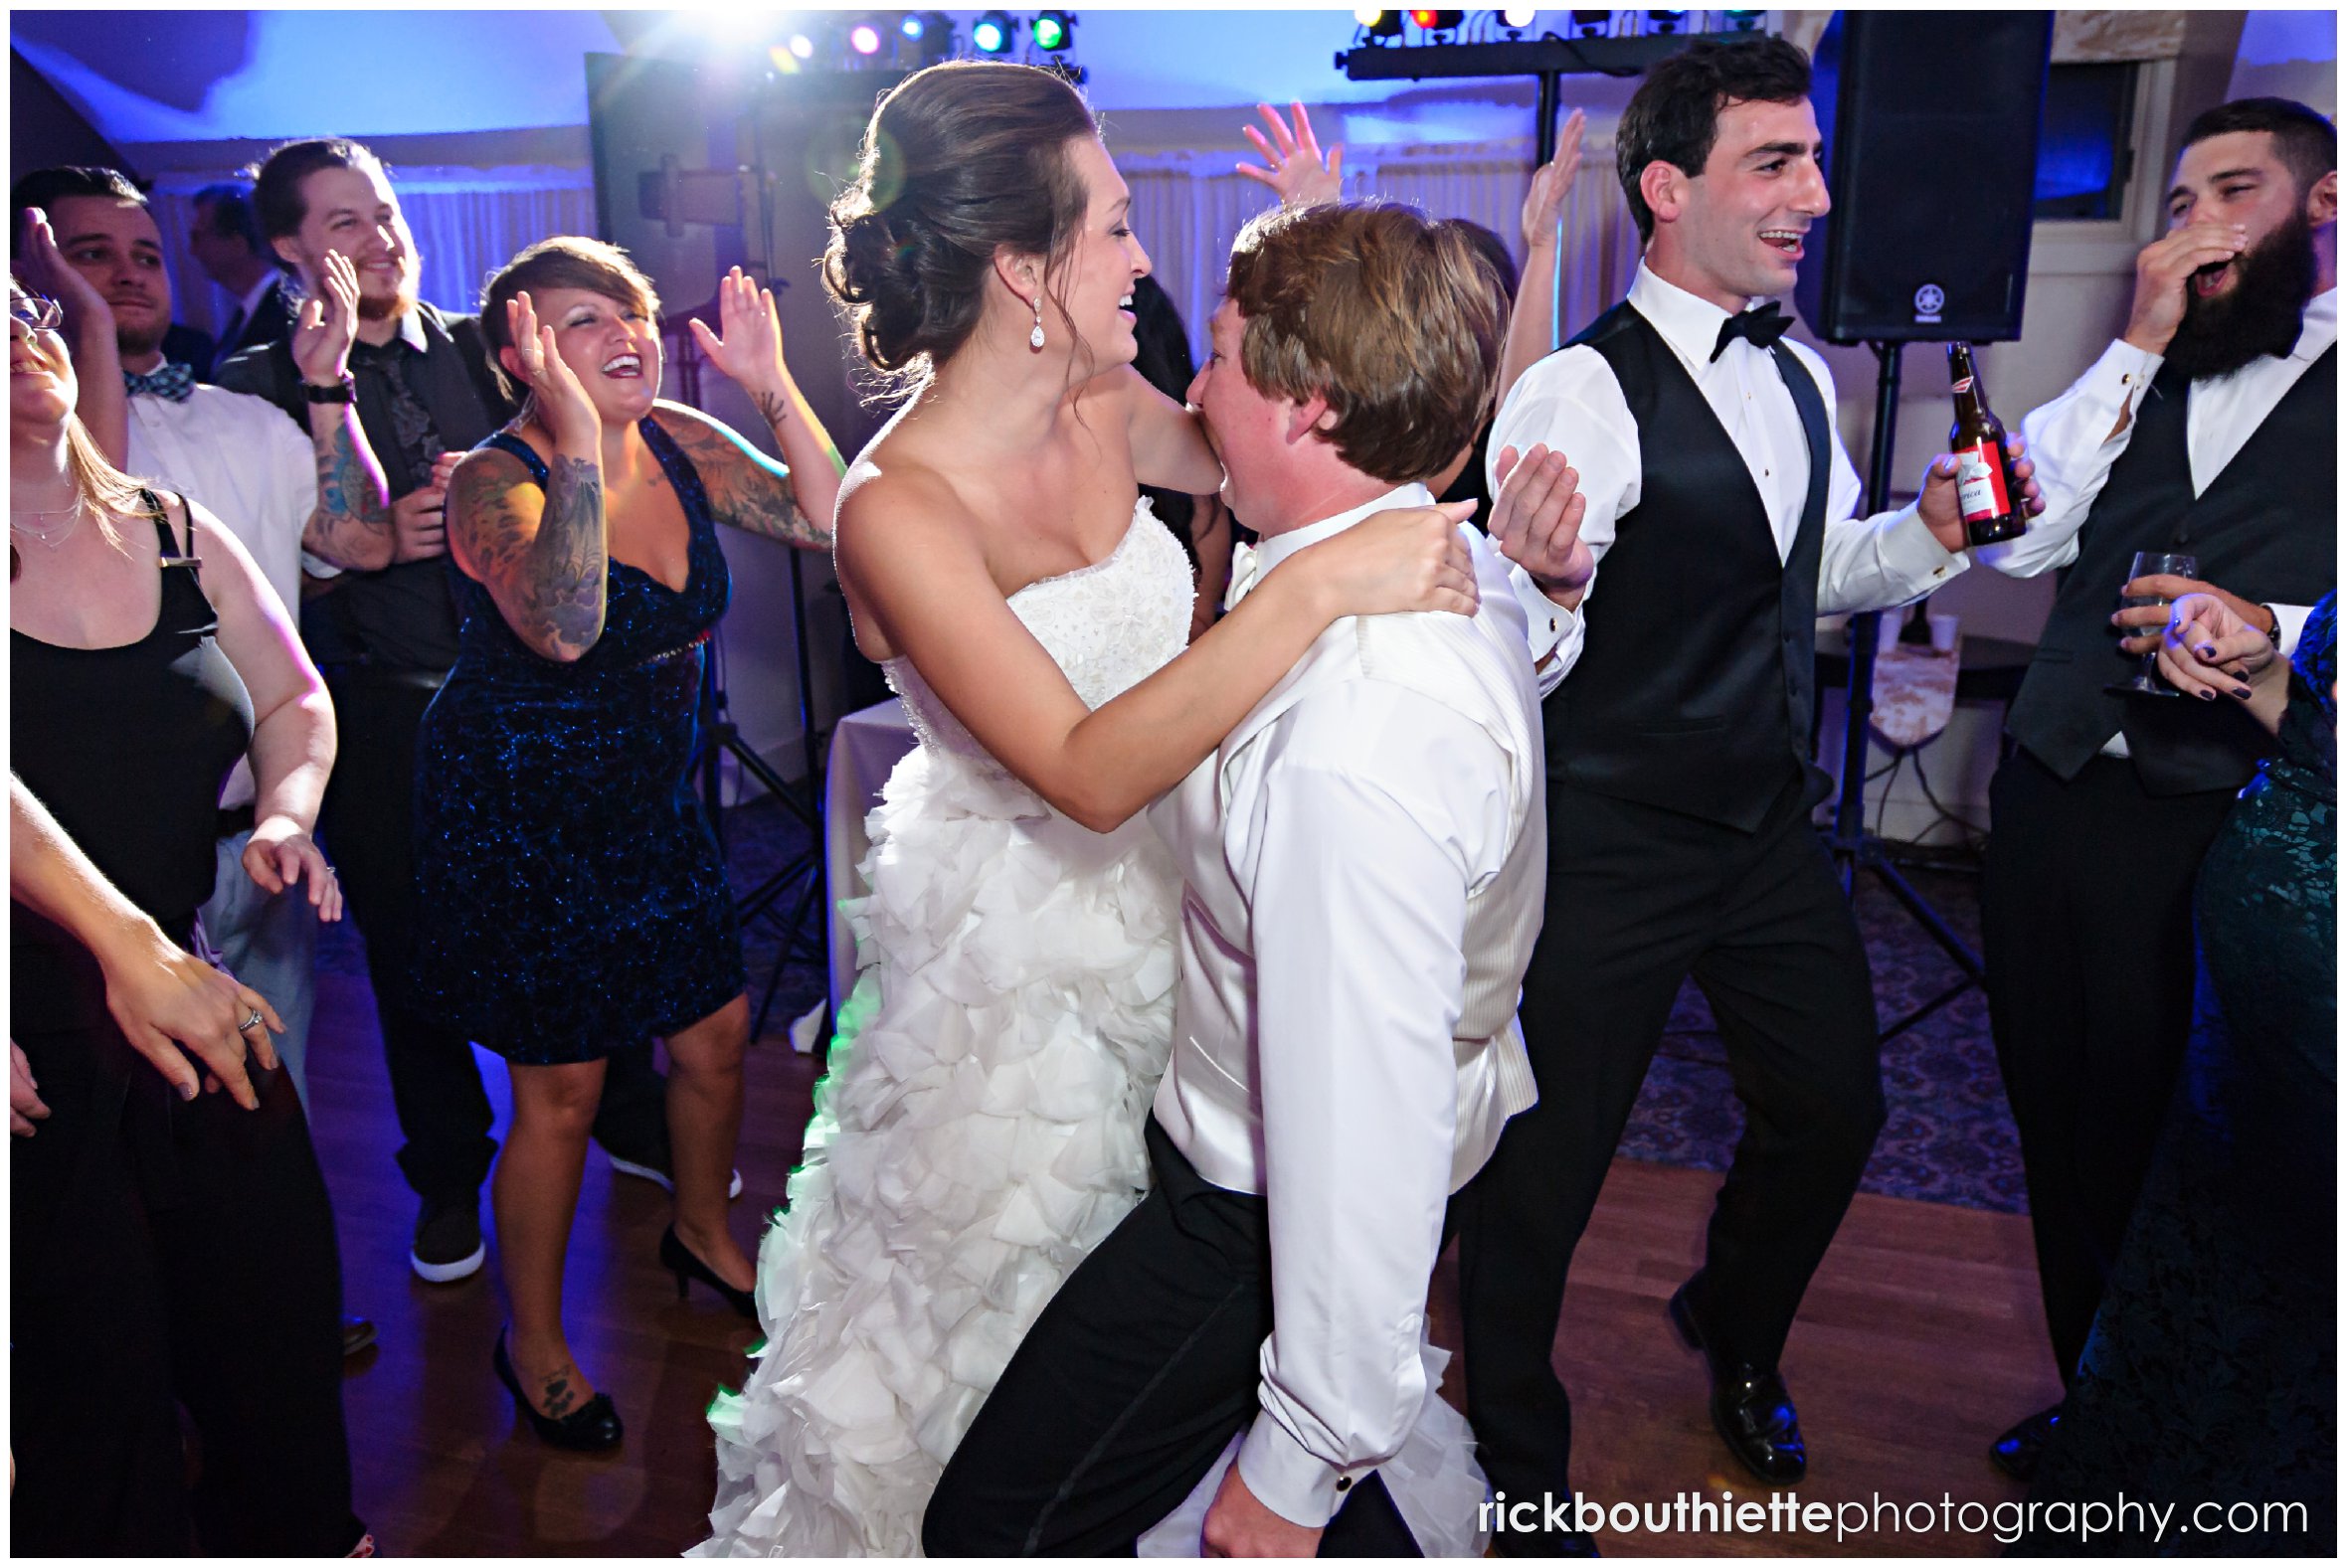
[(1986, 491)]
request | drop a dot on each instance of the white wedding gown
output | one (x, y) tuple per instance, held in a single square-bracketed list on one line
[(979, 1130)]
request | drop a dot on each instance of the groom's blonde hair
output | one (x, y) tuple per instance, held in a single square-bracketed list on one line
[(1394, 318)]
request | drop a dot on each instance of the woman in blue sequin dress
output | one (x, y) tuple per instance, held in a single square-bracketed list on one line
[(2211, 1373), (573, 897)]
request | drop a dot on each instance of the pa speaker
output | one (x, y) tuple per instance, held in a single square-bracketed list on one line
[(1930, 121)]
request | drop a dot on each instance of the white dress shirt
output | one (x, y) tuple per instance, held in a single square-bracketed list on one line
[(1572, 402), (1365, 865), (2073, 444), (240, 458)]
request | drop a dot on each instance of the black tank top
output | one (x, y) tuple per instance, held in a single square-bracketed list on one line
[(129, 747)]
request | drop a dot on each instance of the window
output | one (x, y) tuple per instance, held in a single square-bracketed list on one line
[(2084, 156)]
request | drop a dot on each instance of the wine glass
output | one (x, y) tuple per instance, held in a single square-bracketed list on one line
[(2148, 680)]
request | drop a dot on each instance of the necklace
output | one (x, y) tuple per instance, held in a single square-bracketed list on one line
[(54, 536)]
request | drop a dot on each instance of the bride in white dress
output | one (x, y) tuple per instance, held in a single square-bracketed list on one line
[(979, 1128)]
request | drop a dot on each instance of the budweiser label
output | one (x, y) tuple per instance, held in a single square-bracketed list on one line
[(1980, 485)]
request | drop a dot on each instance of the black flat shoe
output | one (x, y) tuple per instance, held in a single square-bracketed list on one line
[(1751, 1408), (594, 1425), (2023, 1444), (678, 1260)]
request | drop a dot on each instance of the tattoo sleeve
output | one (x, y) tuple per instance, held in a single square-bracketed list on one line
[(351, 523), (751, 490), (546, 574)]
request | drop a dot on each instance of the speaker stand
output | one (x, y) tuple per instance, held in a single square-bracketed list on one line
[(1854, 849)]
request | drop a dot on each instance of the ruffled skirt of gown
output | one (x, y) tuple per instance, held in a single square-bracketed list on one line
[(978, 1133)]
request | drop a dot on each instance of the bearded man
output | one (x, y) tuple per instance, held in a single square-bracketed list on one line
[(2210, 430)]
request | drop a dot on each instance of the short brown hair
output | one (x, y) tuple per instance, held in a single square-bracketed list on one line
[(567, 260), (1392, 317)]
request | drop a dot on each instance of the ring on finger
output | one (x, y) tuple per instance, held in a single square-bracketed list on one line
[(249, 1024)]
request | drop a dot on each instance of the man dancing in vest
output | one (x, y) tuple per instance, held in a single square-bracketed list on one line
[(1364, 859), (1720, 509)]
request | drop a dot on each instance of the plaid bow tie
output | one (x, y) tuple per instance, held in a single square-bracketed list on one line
[(175, 381)]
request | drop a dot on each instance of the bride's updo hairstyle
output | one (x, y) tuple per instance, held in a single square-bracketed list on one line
[(962, 161)]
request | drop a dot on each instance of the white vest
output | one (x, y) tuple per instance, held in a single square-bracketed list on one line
[(1478, 668)]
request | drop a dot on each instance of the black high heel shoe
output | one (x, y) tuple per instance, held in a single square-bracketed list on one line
[(594, 1425), (678, 1260)]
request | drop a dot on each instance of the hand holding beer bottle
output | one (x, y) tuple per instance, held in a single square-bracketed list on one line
[(1983, 491)]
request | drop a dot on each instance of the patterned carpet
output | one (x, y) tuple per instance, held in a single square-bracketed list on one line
[(1949, 1139)]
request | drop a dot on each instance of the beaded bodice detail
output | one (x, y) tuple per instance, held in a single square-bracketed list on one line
[(1108, 626)]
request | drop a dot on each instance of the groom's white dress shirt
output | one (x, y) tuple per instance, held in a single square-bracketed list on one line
[(1364, 860)]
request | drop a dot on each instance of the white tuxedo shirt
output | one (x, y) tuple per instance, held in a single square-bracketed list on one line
[(1364, 860)]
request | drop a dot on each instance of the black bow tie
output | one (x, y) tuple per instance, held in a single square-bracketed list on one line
[(1763, 328)]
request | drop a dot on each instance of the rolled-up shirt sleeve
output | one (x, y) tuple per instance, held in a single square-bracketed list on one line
[(2073, 440), (1373, 827)]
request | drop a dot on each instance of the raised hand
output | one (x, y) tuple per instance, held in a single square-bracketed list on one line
[(748, 345), (1535, 522), (1943, 513), (328, 323), (42, 267), (2163, 274), (280, 854), (1550, 181), (1296, 171), (561, 401), (1407, 558)]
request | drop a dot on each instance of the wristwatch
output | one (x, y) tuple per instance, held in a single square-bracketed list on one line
[(2273, 632), (344, 390)]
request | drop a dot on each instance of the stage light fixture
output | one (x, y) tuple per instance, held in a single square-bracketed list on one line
[(1052, 30), (1439, 20), (992, 33), (801, 46), (1520, 17), (1743, 21), (913, 27), (864, 37), (1592, 24), (1664, 23), (1380, 24)]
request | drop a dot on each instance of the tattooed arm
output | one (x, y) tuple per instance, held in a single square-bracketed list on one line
[(540, 555), (351, 524), (751, 491)]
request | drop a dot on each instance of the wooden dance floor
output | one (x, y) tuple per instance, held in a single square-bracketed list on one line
[(1918, 1342)]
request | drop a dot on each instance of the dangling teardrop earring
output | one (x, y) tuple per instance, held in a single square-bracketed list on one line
[(1035, 338)]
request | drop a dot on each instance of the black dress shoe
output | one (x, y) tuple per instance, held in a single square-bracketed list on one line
[(2017, 1453), (594, 1425), (1751, 1408), (678, 1260), (357, 1334)]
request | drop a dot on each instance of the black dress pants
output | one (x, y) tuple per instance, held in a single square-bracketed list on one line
[(1639, 899), (1128, 1386), (161, 1255), (2086, 917), (367, 824)]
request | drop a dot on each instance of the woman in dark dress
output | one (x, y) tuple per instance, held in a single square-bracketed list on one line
[(169, 1248), (2211, 1375), (573, 897)]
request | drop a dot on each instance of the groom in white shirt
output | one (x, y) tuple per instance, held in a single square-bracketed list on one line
[(1365, 859)]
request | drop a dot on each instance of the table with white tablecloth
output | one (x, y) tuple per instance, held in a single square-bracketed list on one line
[(866, 745)]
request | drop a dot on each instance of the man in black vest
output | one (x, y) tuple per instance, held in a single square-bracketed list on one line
[(2209, 430), (1720, 507), (385, 638)]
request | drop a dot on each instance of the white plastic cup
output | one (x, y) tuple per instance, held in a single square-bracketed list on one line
[(1944, 633)]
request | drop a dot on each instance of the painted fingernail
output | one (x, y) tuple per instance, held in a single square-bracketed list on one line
[(2207, 696), (2243, 692), (187, 1090)]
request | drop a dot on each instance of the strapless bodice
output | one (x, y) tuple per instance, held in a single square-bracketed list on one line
[(1108, 626)]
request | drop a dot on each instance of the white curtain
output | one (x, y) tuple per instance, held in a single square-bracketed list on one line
[(1187, 208), (467, 224)]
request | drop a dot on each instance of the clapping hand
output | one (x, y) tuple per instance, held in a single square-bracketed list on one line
[(279, 853), (562, 402), (1535, 522), (1297, 172), (328, 323), (418, 519), (1550, 181), (1943, 513), (748, 345)]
